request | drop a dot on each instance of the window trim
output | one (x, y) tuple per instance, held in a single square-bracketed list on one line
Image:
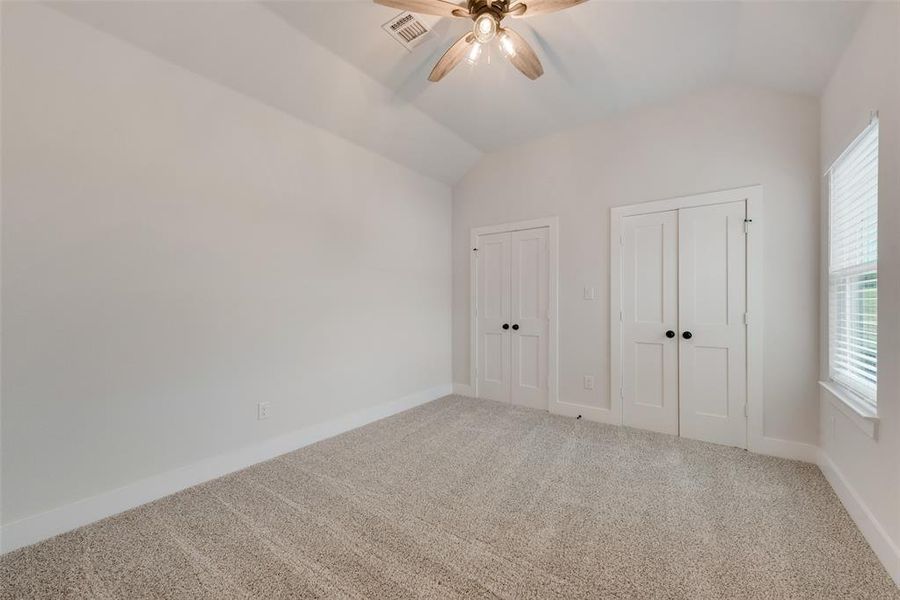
[(860, 413), (863, 410)]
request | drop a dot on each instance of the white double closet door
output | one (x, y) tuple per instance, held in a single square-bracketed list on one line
[(684, 337), (511, 313)]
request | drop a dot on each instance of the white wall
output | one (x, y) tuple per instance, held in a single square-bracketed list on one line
[(866, 471), (720, 139), (174, 252)]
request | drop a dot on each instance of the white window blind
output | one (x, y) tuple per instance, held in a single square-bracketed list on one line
[(853, 266)]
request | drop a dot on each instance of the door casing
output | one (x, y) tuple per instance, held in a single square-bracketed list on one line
[(552, 225), (753, 196)]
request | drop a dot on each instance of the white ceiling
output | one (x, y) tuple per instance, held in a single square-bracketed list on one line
[(599, 58)]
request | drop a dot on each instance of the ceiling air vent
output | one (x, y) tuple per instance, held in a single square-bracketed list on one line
[(408, 29)]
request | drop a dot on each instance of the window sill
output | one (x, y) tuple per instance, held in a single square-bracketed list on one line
[(857, 412)]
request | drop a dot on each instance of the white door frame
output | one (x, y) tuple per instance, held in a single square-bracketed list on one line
[(753, 195), (552, 225)]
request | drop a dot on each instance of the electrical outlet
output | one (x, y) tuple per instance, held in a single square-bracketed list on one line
[(588, 382), (588, 292), (263, 409)]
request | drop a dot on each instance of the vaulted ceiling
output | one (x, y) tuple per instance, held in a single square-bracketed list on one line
[(600, 57), (331, 64)]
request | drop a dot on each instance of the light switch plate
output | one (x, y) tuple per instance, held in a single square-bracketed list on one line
[(588, 382)]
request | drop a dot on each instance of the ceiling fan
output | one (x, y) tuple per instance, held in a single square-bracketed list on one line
[(487, 15)]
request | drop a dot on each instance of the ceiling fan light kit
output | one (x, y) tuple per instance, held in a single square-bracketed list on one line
[(486, 16), (485, 27), (474, 53), (507, 45)]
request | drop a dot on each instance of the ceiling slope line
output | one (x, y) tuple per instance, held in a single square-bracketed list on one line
[(356, 109)]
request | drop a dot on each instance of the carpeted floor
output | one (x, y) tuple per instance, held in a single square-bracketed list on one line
[(465, 498)]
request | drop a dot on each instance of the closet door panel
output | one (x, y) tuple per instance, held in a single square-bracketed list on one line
[(649, 310), (493, 305), (530, 318), (712, 304)]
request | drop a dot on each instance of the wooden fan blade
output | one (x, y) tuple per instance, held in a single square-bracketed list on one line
[(540, 7), (523, 57), (451, 57), (516, 10), (428, 7)]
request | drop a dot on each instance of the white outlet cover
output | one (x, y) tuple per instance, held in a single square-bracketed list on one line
[(262, 410), (588, 382)]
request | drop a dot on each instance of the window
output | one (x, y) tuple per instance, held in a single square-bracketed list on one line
[(853, 267)]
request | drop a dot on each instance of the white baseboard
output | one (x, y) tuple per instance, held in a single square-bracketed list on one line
[(71, 516), (785, 449), (463, 389), (885, 549)]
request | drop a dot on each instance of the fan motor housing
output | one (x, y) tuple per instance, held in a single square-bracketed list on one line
[(479, 7)]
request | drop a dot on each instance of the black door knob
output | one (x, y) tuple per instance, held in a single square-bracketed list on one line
[(687, 335), (670, 334), (506, 326), (515, 326)]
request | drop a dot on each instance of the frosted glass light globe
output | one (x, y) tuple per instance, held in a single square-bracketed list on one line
[(485, 28), (507, 45)]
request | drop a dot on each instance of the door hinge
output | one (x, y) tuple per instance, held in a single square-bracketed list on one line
[(746, 410), (621, 393), (746, 318), (747, 226), (621, 240), (620, 316)]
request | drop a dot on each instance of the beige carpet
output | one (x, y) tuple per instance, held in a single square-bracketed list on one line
[(464, 498)]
